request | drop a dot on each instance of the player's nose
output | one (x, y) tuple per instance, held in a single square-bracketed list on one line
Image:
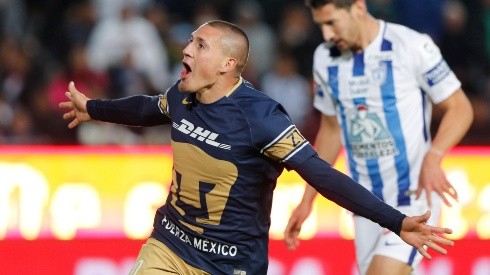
[(328, 33)]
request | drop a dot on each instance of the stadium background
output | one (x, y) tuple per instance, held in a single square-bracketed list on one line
[(81, 201)]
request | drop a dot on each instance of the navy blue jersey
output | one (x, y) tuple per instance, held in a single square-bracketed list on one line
[(227, 158)]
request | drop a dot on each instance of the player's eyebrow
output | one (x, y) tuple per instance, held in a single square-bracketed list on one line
[(200, 40), (328, 22)]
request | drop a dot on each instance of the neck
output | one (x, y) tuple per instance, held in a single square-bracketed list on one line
[(369, 31), (217, 91)]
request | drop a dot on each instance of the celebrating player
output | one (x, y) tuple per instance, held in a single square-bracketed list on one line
[(230, 143)]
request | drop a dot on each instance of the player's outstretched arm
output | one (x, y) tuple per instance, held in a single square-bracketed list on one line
[(77, 107), (417, 233), (350, 195)]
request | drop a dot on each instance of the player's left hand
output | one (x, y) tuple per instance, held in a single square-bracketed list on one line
[(433, 178), (417, 233)]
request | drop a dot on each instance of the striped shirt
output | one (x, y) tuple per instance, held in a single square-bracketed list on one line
[(382, 99)]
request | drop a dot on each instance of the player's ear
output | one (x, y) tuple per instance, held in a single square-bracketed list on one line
[(359, 7), (228, 65)]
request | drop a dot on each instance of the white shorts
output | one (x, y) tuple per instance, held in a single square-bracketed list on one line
[(372, 239)]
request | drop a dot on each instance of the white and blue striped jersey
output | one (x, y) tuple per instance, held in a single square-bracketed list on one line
[(382, 99)]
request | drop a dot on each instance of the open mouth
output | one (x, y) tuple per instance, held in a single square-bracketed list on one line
[(185, 71)]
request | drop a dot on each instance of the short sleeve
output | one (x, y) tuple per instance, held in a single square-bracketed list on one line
[(322, 100), (434, 75)]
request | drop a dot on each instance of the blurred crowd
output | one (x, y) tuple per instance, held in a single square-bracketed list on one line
[(116, 48)]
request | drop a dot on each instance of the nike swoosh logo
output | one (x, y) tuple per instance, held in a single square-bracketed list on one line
[(390, 244), (185, 101)]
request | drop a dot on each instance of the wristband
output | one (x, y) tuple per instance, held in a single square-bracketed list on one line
[(436, 151)]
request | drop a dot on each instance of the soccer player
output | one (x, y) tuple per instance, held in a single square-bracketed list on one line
[(230, 143), (375, 83)]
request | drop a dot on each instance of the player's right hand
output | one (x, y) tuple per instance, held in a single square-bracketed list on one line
[(77, 107), (293, 228), (433, 179)]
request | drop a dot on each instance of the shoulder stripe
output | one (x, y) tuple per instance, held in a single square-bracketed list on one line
[(295, 151), (286, 145), (280, 136), (163, 104)]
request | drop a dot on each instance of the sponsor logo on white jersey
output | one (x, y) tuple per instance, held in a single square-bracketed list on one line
[(368, 137)]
